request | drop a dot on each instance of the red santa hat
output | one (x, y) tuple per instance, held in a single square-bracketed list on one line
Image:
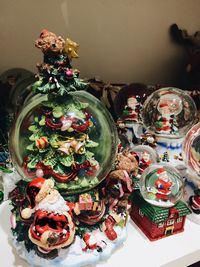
[(36, 190), (163, 104), (160, 170)]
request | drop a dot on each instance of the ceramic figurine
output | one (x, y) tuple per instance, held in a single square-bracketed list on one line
[(70, 203)]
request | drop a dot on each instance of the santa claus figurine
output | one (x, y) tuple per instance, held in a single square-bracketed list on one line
[(131, 110), (145, 161), (169, 106), (52, 226), (163, 184)]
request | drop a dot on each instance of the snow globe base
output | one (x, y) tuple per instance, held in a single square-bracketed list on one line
[(157, 222), (73, 256), (170, 150), (91, 244)]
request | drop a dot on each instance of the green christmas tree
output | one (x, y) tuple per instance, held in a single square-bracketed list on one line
[(59, 140), (165, 156)]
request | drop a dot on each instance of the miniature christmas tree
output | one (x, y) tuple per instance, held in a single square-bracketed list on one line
[(59, 141), (165, 156)]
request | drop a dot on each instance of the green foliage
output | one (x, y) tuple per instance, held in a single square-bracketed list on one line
[(67, 160), (5, 170), (34, 160), (57, 112), (91, 143)]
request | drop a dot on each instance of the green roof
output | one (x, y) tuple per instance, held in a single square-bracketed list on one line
[(158, 214)]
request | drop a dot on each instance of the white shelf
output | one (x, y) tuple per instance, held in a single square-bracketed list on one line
[(178, 250)]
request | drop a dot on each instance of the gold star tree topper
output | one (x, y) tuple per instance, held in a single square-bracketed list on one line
[(71, 48)]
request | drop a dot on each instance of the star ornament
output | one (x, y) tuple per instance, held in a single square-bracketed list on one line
[(71, 48)]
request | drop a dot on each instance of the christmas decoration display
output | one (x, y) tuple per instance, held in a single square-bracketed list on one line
[(191, 158), (161, 185), (70, 207)]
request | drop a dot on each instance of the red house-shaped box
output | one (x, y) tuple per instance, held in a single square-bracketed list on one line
[(157, 222)]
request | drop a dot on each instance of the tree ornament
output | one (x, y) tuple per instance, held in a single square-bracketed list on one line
[(71, 48)]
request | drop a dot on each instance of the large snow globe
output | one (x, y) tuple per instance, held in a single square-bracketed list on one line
[(70, 139)]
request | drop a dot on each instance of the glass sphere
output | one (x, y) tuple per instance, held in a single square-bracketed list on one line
[(161, 185), (131, 97), (191, 149), (145, 156), (169, 112), (71, 139)]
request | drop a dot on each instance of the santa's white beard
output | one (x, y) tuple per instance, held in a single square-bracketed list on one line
[(57, 206)]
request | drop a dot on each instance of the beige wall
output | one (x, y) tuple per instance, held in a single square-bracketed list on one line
[(121, 40)]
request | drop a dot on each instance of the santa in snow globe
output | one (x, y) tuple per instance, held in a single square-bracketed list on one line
[(169, 113), (157, 207)]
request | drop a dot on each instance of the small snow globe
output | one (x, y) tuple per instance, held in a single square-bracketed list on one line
[(191, 149), (145, 156), (161, 185), (169, 113)]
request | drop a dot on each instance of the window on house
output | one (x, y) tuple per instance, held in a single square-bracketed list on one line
[(179, 220), (141, 213), (160, 225), (170, 222)]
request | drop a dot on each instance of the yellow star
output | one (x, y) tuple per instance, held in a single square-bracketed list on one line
[(71, 48)]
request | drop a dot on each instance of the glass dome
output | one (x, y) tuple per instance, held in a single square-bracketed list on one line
[(145, 155), (191, 149), (161, 185), (71, 139), (169, 112)]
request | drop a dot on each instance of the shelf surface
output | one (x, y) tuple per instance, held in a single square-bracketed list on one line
[(179, 250)]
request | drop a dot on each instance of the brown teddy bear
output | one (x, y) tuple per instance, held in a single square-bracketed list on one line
[(118, 181), (50, 43)]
